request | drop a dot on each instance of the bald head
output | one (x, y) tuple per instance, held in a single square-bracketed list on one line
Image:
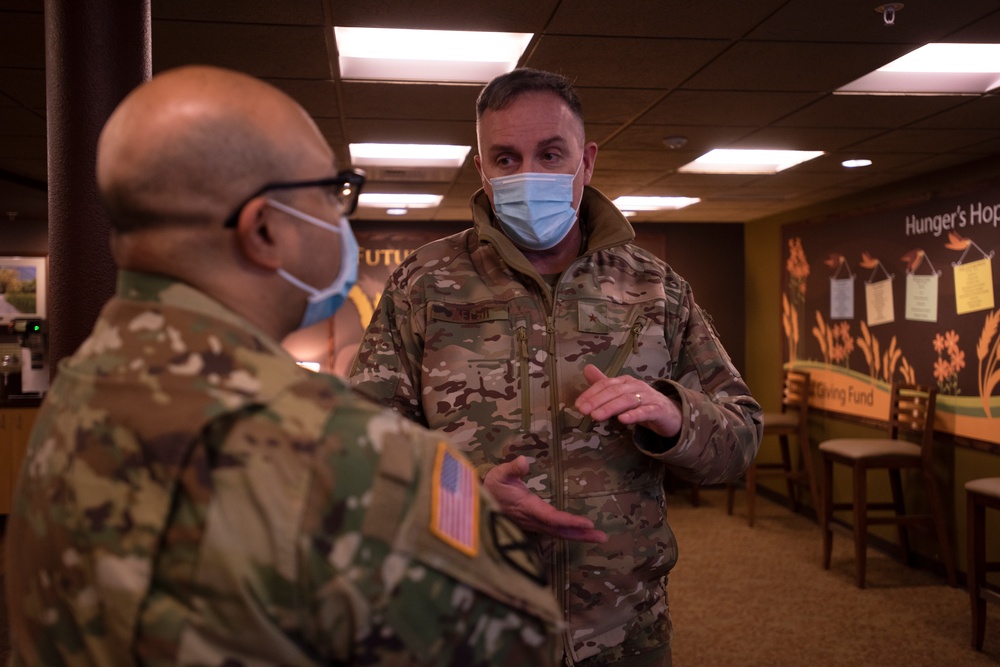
[(189, 145)]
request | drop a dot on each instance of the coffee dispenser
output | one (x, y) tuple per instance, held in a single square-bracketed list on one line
[(32, 335), (10, 372)]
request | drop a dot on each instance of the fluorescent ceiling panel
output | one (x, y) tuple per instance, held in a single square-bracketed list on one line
[(427, 55), (934, 69), (408, 155), (653, 203), (393, 200), (747, 161)]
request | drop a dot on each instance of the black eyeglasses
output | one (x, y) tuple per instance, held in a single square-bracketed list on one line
[(345, 186)]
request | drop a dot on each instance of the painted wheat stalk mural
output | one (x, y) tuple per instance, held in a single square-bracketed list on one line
[(988, 352), (868, 344)]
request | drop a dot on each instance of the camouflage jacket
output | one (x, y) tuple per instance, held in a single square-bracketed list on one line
[(192, 497), (470, 340)]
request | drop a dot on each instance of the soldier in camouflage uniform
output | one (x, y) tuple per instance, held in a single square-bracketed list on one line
[(570, 365), (191, 496)]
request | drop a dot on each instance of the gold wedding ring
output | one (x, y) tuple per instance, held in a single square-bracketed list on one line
[(638, 400)]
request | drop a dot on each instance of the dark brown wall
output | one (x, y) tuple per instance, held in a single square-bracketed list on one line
[(24, 237), (710, 257)]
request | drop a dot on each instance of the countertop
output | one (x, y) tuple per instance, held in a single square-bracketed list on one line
[(25, 401)]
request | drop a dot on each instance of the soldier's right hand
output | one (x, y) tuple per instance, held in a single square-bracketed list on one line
[(530, 512)]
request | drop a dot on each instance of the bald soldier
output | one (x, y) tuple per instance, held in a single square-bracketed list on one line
[(192, 496)]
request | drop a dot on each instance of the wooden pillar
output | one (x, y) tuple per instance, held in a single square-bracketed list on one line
[(95, 53)]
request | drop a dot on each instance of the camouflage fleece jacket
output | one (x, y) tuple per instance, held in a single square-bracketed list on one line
[(192, 497), (470, 340)]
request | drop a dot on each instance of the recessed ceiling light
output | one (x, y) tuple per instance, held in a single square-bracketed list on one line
[(747, 161), (393, 200), (427, 55), (396, 211), (934, 69), (408, 155), (635, 204), (858, 162)]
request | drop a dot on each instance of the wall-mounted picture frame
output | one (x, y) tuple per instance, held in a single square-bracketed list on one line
[(23, 287)]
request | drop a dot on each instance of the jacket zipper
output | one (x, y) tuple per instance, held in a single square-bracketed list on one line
[(630, 347), (522, 342), (561, 547)]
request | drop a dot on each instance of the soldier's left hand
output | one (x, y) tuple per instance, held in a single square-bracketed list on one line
[(631, 400), (525, 508)]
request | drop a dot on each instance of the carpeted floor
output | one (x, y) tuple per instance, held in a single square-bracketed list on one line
[(760, 597)]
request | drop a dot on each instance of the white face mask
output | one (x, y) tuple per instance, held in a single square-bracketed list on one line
[(535, 209), (323, 303)]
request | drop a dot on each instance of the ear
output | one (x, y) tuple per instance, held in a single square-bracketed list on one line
[(589, 158), (478, 161), (485, 182), (256, 235)]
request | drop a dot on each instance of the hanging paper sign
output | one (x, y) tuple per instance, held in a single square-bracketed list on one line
[(841, 291), (922, 298), (921, 289), (842, 298), (878, 295), (974, 286), (878, 298)]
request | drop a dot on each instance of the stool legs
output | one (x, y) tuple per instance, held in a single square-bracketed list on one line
[(803, 476), (826, 512), (941, 528), (786, 466), (860, 524), (976, 515)]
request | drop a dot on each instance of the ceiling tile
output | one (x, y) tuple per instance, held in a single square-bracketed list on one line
[(506, 16), (410, 100), (869, 111), (790, 66), (240, 11), (22, 40), (730, 72), (656, 18), (858, 21), (294, 52), (715, 107), (598, 61)]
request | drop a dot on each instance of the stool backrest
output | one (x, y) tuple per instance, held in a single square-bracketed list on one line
[(911, 409), (795, 394)]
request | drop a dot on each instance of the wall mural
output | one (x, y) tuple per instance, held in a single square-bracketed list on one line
[(380, 253), (906, 294)]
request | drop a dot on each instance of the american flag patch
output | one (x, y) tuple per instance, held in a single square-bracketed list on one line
[(455, 498)]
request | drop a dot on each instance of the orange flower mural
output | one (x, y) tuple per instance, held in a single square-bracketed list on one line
[(794, 301), (951, 359)]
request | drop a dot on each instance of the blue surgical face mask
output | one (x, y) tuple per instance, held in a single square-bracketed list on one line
[(535, 209), (323, 303)]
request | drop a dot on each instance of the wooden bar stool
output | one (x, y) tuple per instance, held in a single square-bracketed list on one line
[(792, 420), (911, 410), (980, 494)]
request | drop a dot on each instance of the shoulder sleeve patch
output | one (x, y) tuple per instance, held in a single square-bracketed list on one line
[(455, 500)]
